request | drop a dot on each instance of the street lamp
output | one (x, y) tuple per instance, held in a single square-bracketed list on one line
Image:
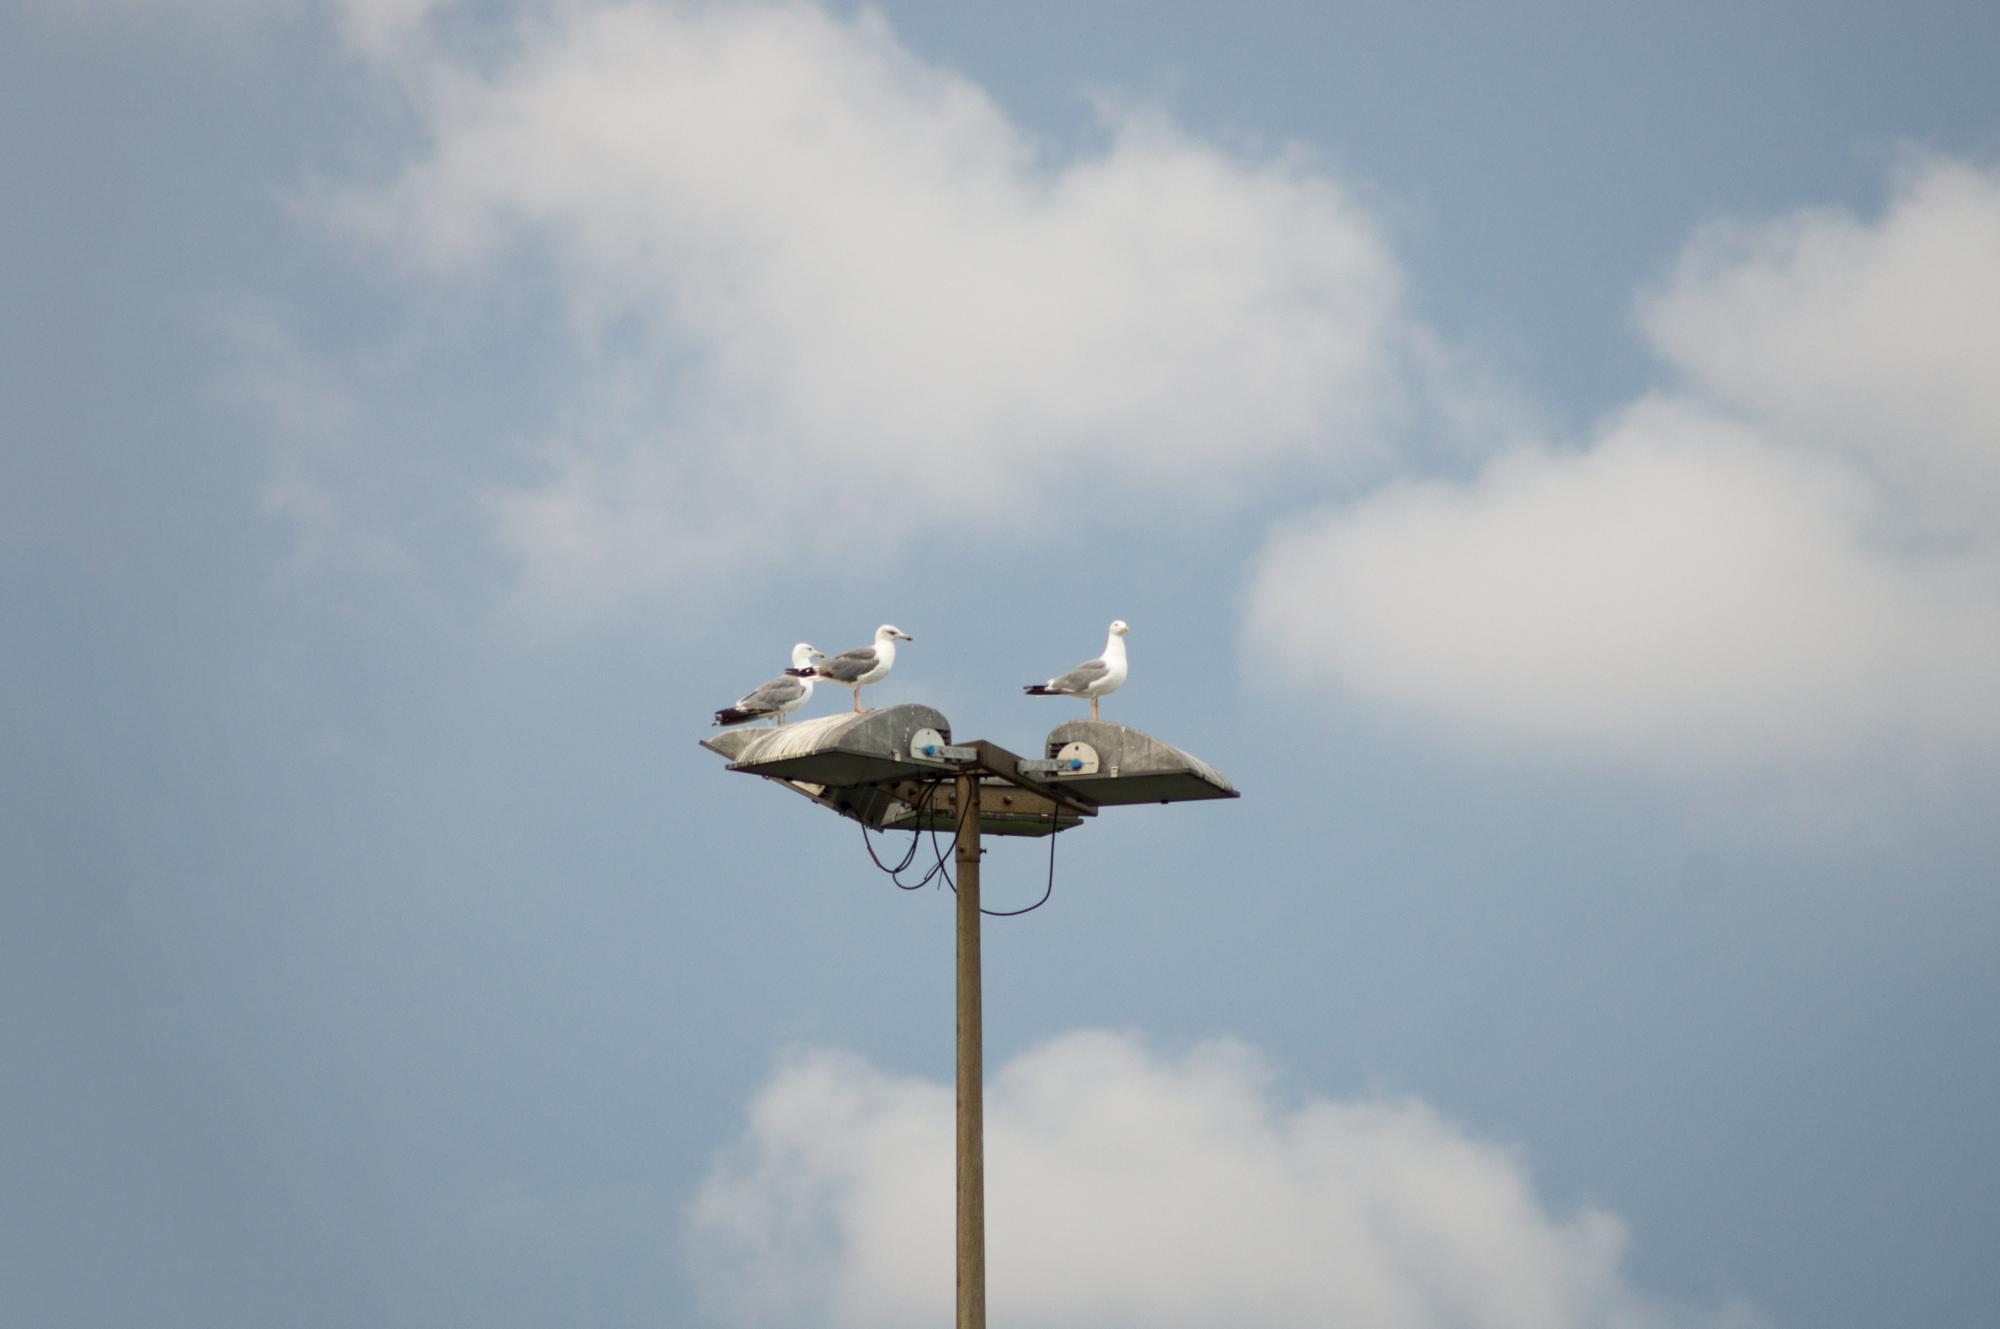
[(898, 769)]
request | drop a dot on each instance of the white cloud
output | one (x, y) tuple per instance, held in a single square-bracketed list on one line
[(386, 29), (329, 489), (207, 18), (1795, 558), (1877, 341), (1127, 1188), (126, 9), (807, 277)]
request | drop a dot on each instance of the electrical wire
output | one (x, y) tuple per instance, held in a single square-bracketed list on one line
[(1047, 890), (940, 869), (917, 814)]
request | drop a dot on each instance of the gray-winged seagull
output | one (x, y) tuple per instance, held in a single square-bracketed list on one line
[(783, 694), (863, 664), (1092, 678)]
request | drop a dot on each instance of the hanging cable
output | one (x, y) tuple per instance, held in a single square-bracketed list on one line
[(940, 869), (943, 866), (1047, 890), (917, 812), (868, 841)]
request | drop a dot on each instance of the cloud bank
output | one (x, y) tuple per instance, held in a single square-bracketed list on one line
[(785, 277), (805, 277), (1792, 555), (1130, 1188)]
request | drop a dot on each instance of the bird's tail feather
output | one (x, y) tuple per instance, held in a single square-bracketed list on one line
[(736, 715), (1040, 690), (807, 672)]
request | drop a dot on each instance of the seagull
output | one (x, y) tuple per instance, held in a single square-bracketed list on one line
[(863, 664), (782, 694), (1092, 678)]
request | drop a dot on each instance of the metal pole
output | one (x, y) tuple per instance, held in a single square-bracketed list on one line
[(971, 1056)]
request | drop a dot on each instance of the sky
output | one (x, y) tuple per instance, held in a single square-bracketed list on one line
[(1549, 460)]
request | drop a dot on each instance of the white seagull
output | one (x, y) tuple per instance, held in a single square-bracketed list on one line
[(1092, 678), (781, 695), (863, 664)]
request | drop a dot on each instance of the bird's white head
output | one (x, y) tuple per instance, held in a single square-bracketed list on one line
[(890, 630), (1118, 628), (803, 654)]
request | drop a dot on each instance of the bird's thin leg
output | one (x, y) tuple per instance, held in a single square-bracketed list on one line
[(857, 701), (1093, 708)]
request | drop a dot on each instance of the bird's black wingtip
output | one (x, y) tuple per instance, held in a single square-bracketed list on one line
[(1038, 690), (807, 672)]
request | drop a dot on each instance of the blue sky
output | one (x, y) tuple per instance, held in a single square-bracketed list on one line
[(1549, 460)]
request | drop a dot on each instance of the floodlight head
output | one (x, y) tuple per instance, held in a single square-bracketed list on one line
[(836, 751), (897, 768), (1110, 764)]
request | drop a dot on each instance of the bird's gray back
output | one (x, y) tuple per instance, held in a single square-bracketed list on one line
[(1082, 676), (773, 694), (848, 665)]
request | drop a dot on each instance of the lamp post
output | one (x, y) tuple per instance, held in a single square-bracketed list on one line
[(884, 769), (971, 1072)]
